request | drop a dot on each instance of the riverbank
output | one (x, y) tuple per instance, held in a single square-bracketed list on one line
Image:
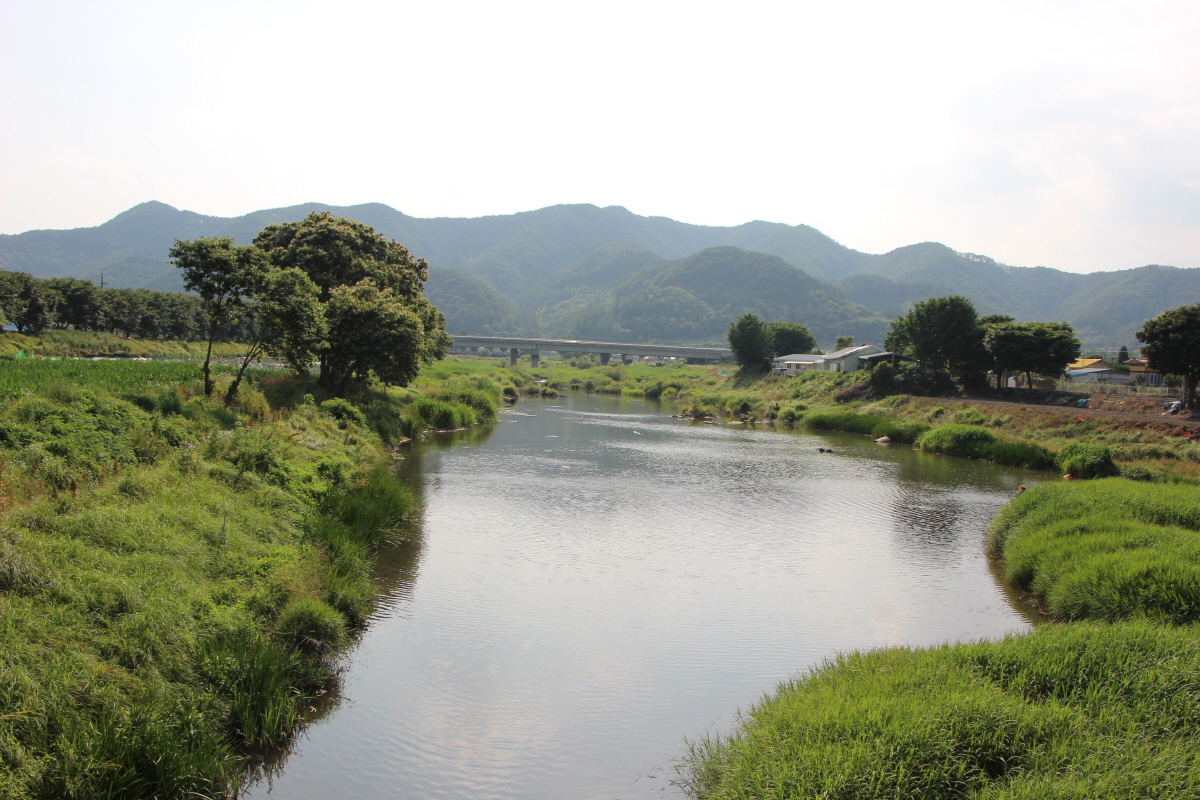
[(1100, 707), (177, 577)]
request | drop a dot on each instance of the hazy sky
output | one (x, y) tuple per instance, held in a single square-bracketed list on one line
[(1055, 133)]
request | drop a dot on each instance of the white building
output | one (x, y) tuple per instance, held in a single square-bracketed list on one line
[(844, 360)]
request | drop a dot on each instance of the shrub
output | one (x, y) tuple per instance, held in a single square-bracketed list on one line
[(311, 626), (343, 411), (971, 441), (1085, 460)]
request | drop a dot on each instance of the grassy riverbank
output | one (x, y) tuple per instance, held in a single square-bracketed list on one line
[(176, 576), (1079, 711), (1101, 707)]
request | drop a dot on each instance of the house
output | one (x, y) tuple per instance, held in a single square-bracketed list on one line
[(1150, 377), (1098, 375), (796, 363), (848, 359), (1089, 363)]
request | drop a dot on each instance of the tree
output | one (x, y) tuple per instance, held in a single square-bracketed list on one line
[(374, 281), (790, 337), (944, 334), (843, 342), (1045, 348), (1123, 354), (1171, 344), (287, 321), (224, 275), (371, 328), (750, 342)]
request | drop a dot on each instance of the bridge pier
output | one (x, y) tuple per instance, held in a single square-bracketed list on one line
[(533, 358), (513, 355), (626, 360), (604, 357)]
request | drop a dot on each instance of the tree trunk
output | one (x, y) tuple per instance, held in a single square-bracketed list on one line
[(252, 354), (208, 384)]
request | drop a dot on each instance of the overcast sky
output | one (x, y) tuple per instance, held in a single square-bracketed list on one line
[(1048, 133)]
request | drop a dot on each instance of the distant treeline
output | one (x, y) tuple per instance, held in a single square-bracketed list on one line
[(34, 305)]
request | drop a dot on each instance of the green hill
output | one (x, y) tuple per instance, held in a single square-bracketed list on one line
[(578, 268)]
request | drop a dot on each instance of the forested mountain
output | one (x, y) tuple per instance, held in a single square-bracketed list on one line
[(583, 270)]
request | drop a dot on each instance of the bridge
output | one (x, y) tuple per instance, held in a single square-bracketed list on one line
[(606, 350)]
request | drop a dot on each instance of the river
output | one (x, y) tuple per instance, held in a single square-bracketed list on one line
[(592, 580)]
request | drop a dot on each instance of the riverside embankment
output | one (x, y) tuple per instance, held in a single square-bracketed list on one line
[(177, 576)]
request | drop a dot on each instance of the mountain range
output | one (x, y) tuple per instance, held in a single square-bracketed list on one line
[(587, 272)]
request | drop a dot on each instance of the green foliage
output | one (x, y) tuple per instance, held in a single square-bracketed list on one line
[(1171, 342), (1042, 348), (342, 410), (1075, 711), (1107, 549), (1084, 460), (876, 426), (944, 335), (751, 343), (972, 441), (790, 337)]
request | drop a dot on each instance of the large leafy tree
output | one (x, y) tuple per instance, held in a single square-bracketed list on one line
[(372, 290), (1043, 348), (944, 334), (751, 343), (286, 321), (1171, 343), (224, 275), (790, 337)]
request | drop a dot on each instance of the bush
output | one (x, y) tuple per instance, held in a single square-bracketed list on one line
[(1087, 460), (971, 441), (343, 411), (1109, 549), (311, 626)]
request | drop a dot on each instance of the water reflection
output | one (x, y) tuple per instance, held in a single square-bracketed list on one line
[(591, 580)]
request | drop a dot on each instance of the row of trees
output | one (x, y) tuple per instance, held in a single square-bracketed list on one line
[(953, 345), (327, 289), (34, 305), (951, 342)]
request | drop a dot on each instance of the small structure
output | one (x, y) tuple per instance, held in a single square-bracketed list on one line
[(796, 363), (1098, 375), (848, 359), (1089, 363)]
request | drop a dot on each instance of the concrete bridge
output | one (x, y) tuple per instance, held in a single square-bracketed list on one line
[(606, 350)]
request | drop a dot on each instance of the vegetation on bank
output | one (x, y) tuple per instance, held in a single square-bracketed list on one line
[(176, 575), (80, 344), (1109, 549), (1087, 710)]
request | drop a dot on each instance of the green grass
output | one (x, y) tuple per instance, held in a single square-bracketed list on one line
[(972, 441), (870, 424), (174, 574), (1081, 711), (1107, 549)]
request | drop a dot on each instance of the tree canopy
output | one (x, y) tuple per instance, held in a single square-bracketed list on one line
[(371, 290), (790, 337), (944, 334), (750, 342), (1043, 348), (225, 276), (1171, 343)]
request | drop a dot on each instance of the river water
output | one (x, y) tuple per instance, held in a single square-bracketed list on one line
[(591, 581)]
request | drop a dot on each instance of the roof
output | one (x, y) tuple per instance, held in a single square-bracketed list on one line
[(847, 351), (1085, 363), (805, 357), (1087, 371)]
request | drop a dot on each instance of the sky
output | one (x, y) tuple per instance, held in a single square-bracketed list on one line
[(1061, 134)]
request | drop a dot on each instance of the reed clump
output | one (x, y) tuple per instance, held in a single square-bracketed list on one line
[(870, 424), (1106, 549), (1087, 710), (973, 441)]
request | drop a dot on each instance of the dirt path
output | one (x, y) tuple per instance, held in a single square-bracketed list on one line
[(1084, 413)]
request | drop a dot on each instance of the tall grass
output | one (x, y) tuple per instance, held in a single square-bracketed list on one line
[(1069, 711), (1106, 549), (972, 441), (871, 424)]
